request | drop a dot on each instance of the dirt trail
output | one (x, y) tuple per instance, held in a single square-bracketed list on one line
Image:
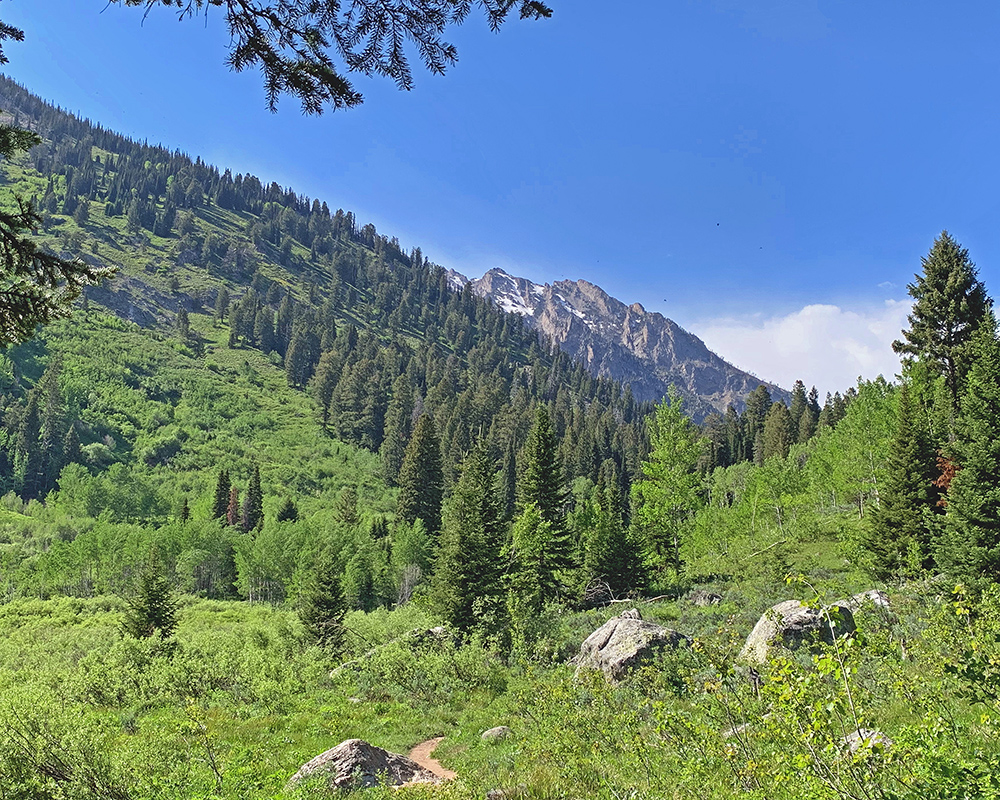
[(422, 755)]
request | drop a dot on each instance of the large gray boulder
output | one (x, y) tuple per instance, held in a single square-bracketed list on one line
[(622, 643), (356, 764), (792, 624)]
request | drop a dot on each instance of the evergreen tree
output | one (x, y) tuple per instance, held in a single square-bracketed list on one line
[(469, 564), (398, 428), (252, 513), (611, 553), (323, 606), (288, 511), (233, 507), (152, 609), (971, 545), (541, 480), (777, 432), (220, 501), (667, 495), (421, 477), (346, 507), (950, 302), (221, 304), (533, 574), (897, 543)]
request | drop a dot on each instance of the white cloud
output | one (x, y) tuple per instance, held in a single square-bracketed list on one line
[(823, 345)]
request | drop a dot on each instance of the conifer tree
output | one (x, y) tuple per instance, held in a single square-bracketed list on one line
[(542, 483), (898, 529), (533, 574), (777, 431), (288, 511), (469, 564), (233, 508), (398, 428), (252, 513), (220, 501), (950, 302), (323, 606), (971, 545), (421, 477), (152, 609)]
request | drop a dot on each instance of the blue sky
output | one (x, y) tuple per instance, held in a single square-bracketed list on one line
[(768, 174)]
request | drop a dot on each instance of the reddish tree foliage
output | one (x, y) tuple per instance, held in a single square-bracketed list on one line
[(948, 470)]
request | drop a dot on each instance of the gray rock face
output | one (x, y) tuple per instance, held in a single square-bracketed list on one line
[(622, 643), (791, 624), (628, 343), (356, 764), (496, 734)]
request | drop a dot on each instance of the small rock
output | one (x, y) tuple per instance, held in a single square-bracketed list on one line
[(496, 734), (875, 597), (866, 738), (356, 764), (701, 598)]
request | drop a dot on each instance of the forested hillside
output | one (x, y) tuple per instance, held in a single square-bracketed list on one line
[(249, 478)]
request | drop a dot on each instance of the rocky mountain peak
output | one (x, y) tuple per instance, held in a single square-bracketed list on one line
[(625, 342)]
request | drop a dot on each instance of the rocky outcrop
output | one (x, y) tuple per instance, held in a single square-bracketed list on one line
[(702, 598), (792, 624), (627, 343), (872, 597), (356, 764), (623, 643)]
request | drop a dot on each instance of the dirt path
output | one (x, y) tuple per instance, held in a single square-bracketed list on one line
[(422, 755)]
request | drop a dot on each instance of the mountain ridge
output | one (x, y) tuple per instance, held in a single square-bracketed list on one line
[(647, 350)]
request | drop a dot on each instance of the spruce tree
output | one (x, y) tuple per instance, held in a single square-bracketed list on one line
[(950, 302), (469, 563), (542, 483), (398, 428), (220, 501), (152, 609), (778, 436), (971, 545), (421, 477), (323, 606), (898, 532), (252, 513), (288, 511), (233, 507)]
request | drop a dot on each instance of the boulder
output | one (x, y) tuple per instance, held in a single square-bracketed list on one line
[(356, 764), (496, 734), (792, 624), (623, 643)]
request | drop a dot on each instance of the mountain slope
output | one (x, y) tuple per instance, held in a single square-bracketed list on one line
[(624, 342)]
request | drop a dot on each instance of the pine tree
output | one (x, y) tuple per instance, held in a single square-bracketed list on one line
[(950, 302), (220, 501), (152, 609), (288, 511), (971, 545), (469, 562), (421, 477), (252, 513), (778, 436), (398, 428), (323, 606), (898, 537), (233, 508)]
